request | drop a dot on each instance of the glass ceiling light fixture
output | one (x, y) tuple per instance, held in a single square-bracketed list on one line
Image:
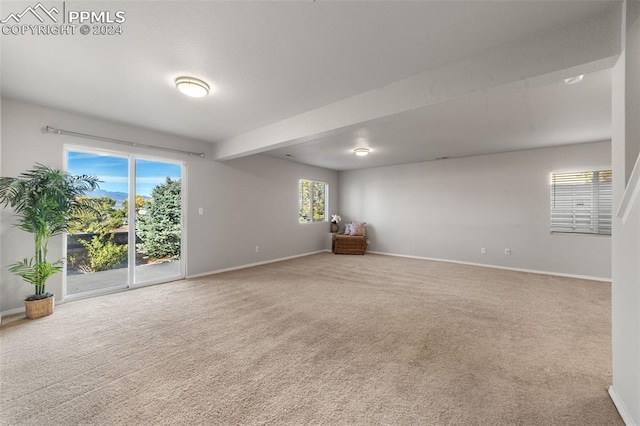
[(361, 152), (193, 87), (574, 80)]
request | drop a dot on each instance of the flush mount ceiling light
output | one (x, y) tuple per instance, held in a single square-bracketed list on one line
[(574, 80), (193, 87), (361, 152)]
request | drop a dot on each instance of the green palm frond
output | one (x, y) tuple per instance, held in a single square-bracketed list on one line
[(44, 199), (36, 273)]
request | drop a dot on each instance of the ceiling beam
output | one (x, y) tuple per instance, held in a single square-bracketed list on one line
[(580, 48)]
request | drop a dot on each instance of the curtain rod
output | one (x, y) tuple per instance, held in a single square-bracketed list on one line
[(50, 129)]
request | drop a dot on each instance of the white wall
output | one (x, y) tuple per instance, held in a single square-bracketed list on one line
[(449, 209), (255, 203), (625, 304), (1, 214), (247, 202), (632, 101)]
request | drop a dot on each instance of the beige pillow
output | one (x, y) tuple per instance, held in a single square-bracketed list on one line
[(358, 228)]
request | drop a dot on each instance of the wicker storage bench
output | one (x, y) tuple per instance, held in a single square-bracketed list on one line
[(350, 244)]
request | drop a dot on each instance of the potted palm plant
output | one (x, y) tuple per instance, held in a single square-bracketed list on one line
[(43, 200)]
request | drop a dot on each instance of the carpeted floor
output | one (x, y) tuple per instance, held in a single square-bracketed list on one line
[(323, 339)]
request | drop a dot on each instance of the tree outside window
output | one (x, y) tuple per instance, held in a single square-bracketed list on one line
[(313, 206)]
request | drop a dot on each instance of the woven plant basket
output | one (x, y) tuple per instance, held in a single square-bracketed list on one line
[(39, 308)]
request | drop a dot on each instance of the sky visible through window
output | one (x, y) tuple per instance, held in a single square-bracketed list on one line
[(113, 171)]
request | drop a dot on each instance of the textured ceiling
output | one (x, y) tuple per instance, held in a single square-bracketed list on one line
[(508, 118), (268, 60)]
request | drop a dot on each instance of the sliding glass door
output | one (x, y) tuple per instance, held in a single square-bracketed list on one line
[(133, 234), (97, 243), (158, 221)]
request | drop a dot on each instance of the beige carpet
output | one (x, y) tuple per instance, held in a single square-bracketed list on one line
[(323, 339)]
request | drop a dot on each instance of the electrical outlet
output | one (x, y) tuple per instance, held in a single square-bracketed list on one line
[(483, 250), (200, 210), (257, 249), (507, 251)]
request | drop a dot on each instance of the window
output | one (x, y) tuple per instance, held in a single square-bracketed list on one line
[(313, 207), (581, 202)]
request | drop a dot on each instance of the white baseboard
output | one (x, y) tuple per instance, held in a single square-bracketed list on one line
[(218, 271), (531, 271), (626, 418), (249, 265), (21, 310), (234, 268), (11, 312)]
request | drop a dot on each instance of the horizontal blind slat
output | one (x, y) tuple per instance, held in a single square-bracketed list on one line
[(581, 202)]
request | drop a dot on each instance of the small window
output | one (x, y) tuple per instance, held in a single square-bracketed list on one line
[(313, 206), (581, 202)]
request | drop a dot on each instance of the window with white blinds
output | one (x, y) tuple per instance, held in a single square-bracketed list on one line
[(581, 202)]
